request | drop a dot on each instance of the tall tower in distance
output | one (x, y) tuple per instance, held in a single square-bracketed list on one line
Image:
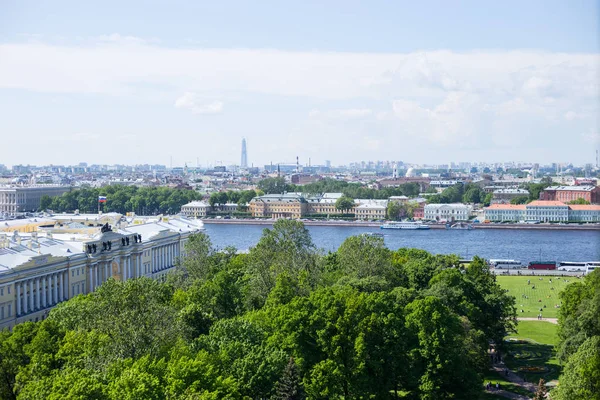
[(244, 163)]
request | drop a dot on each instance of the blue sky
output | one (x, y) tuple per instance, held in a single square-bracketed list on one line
[(421, 82)]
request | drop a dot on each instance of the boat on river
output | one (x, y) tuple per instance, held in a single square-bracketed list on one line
[(459, 225), (404, 225)]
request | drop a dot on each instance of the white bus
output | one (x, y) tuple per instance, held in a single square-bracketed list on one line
[(590, 266), (506, 264), (572, 266)]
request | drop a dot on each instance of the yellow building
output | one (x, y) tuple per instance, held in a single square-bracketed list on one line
[(288, 205)]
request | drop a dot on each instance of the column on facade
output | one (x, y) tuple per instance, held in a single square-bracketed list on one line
[(140, 272), (18, 288), (49, 290), (31, 296), (91, 278), (44, 295), (66, 288), (107, 271), (24, 288), (60, 291), (38, 294), (55, 289)]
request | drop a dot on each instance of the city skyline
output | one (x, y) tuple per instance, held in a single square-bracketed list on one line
[(366, 84)]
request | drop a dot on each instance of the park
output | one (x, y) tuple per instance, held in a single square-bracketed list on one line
[(531, 350)]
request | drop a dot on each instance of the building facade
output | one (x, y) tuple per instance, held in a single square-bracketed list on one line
[(16, 199), (542, 211), (288, 205), (371, 209), (504, 196), (448, 212), (195, 209), (570, 193), (40, 270)]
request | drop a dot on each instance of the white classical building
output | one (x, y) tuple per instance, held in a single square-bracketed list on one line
[(448, 212), (15, 199), (39, 270), (195, 209), (370, 209)]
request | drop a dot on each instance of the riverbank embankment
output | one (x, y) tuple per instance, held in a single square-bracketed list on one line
[(366, 224)]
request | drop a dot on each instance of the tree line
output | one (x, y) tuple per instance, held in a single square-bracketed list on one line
[(330, 185), (121, 199), (283, 321)]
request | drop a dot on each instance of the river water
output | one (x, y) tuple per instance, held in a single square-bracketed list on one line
[(522, 245)]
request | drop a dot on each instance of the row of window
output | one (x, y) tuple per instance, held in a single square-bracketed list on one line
[(6, 311), (2, 290)]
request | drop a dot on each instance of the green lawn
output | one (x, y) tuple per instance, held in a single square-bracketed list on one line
[(539, 351), (537, 331), (544, 294)]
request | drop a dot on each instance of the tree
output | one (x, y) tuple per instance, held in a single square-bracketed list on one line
[(289, 386), (45, 202), (393, 210), (273, 185), (365, 256), (541, 392), (287, 248), (581, 377), (519, 200), (344, 203), (579, 201), (488, 199), (578, 314), (445, 369), (197, 262)]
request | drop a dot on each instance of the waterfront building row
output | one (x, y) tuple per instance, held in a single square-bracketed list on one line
[(543, 211), (41, 269)]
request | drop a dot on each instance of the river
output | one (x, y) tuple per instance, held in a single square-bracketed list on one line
[(522, 245)]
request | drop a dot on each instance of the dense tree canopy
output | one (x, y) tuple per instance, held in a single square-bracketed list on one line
[(122, 199), (284, 321)]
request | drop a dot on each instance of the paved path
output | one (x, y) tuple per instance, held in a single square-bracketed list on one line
[(551, 320)]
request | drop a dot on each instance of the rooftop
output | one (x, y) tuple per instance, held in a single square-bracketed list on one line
[(572, 188)]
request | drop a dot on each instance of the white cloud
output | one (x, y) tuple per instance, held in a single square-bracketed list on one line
[(350, 113), (191, 102), (439, 99)]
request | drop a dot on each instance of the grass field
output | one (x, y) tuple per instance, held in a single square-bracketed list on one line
[(539, 293), (537, 331), (538, 352)]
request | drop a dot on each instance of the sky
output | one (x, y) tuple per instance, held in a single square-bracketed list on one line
[(155, 82)]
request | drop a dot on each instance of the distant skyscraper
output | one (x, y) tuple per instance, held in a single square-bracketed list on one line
[(244, 163)]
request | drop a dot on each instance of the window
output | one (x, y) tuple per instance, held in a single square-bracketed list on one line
[(9, 310), (9, 290), (1, 291)]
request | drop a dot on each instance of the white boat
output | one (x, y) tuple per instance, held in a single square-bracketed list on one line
[(373, 234), (404, 225), (459, 225)]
